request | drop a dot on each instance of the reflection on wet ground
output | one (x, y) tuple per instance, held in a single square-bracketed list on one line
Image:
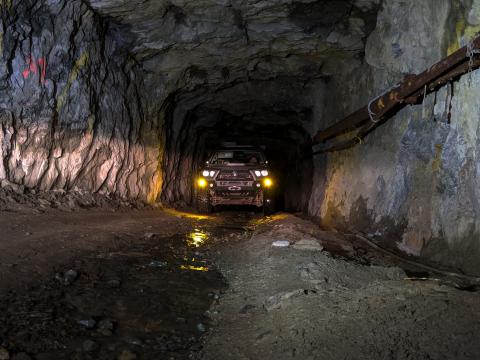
[(187, 215), (149, 299), (197, 238)]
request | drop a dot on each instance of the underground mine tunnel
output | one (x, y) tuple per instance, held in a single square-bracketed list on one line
[(353, 123)]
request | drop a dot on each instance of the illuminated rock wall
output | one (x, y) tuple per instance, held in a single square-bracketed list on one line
[(413, 184), (73, 110)]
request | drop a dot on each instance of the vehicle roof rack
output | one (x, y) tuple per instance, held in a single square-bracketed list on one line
[(239, 146)]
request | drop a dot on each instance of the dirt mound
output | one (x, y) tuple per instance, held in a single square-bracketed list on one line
[(18, 198), (289, 303)]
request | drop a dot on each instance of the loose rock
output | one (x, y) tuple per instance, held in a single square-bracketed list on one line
[(88, 323), (68, 277), (133, 341), (157, 263), (105, 327), (127, 355), (114, 283), (89, 345), (308, 245), (22, 356), (4, 354), (281, 243), (281, 300), (106, 324)]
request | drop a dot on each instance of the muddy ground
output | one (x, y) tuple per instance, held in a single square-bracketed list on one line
[(120, 283)]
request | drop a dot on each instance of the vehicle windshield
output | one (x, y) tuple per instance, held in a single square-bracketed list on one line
[(237, 157)]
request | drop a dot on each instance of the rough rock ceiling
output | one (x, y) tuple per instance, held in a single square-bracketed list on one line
[(221, 41)]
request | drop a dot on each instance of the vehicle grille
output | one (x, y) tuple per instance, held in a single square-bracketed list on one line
[(235, 183), (235, 175), (230, 194)]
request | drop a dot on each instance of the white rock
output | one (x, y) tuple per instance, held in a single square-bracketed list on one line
[(281, 243), (307, 244), (281, 300)]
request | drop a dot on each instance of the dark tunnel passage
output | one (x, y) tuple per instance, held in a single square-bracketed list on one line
[(244, 114)]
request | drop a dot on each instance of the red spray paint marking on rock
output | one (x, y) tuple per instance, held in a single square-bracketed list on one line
[(33, 68)]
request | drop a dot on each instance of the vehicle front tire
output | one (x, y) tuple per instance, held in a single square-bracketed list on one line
[(268, 207), (202, 202)]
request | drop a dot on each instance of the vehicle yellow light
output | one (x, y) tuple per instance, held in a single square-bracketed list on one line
[(202, 182), (267, 182)]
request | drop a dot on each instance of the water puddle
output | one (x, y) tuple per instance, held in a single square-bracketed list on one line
[(149, 299), (153, 298)]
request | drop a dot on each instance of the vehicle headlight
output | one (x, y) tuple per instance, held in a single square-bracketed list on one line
[(259, 173), (202, 182), (267, 182), (208, 173)]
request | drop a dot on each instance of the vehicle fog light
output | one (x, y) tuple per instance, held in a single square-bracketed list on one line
[(268, 182), (258, 184), (211, 185), (202, 182)]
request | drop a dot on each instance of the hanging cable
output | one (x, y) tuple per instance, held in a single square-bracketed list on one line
[(423, 102), (445, 108), (449, 114), (471, 51)]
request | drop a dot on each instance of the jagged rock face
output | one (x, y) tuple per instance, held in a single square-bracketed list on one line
[(219, 41), (414, 182), (88, 86), (251, 61), (72, 111)]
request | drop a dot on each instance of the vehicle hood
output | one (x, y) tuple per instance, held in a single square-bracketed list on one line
[(236, 167)]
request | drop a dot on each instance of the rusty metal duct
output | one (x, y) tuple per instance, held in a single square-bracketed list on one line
[(411, 90)]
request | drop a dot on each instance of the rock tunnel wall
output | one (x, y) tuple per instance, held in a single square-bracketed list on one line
[(73, 111), (84, 104), (414, 183)]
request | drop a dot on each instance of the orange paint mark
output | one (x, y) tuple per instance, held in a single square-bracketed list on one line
[(32, 68)]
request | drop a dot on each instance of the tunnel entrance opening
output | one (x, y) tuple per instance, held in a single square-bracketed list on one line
[(286, 158), (280, 132)]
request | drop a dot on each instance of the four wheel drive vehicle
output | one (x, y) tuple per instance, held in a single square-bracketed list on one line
[(235, 176)]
